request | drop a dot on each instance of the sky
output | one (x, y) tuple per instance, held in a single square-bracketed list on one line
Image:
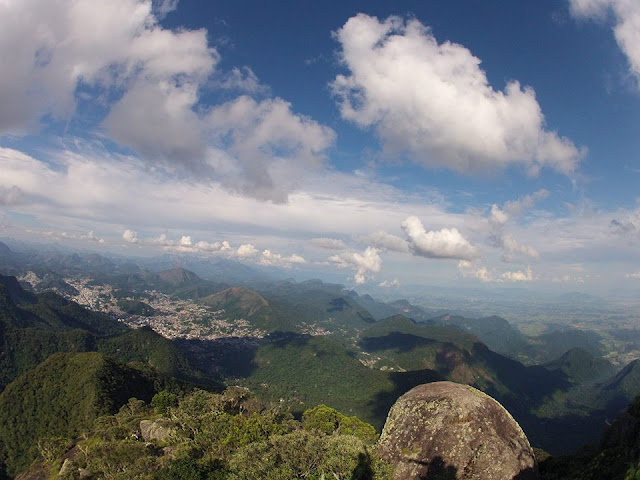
[(382, 143)]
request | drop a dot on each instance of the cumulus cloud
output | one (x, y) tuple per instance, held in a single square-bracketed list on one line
[(270, 258), (395, 283), (433, 101), (185, 244), (470, 270), (130, 236), (262, 148), (364, 264), (328, 243), (626, 28), (246, 251), (90, 236), (204, 246), (387, 241), (482, 273), (83, 43), (65, 53), (444, 243), (518, 276)]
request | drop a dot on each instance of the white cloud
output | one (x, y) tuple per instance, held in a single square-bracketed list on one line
[(433, 101), (11, 195), (328, 243), (262, 148), (185, 244), (157, 121), (204, 246), (275, 259), (246, 251), (510, 248), (242, 79), (518, 207), (118, 50), (89, 237), (99, 186), (364, 263), (498, 218), (469, 270), (626, 28), (387, 241), (83, 43), (130, 236), (633, 275), (164, 7), (444, 243), (90, 189), (395, 283), (518, 276)]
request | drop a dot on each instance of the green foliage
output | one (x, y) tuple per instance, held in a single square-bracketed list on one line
[(63, 396), (302, 454), (121, 460), (188, 469), (217, 437), (581, 366), (616, 457), (633, 473), (319, 370), (146, 346), (135, 307), (163, 401), (50, 448), (328, 421), (44, 325)]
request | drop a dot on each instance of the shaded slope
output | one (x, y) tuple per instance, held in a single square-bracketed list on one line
[(616, 456), (31, 332), (495, 332), (580, 366), (305, 371), (63, 395), (145, 346), (551, 345), (34, 331)]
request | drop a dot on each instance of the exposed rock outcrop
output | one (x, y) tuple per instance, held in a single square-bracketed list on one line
[(445, 430), (159, 431)]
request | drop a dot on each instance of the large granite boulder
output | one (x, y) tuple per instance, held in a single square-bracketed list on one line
[(444, 430)]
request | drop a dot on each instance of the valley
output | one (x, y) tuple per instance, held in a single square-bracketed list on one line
[(303, 344)]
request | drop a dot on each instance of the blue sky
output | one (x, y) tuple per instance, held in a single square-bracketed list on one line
[(476, 143)]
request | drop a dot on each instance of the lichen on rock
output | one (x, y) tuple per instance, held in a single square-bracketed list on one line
[(445, 430)]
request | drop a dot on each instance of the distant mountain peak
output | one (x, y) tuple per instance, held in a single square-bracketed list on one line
[(5, 250), (179, 276)]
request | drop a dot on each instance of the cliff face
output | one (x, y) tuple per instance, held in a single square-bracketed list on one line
[(444, 430)]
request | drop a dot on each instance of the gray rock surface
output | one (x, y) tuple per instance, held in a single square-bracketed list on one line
[(156, 430), (445, 430)]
